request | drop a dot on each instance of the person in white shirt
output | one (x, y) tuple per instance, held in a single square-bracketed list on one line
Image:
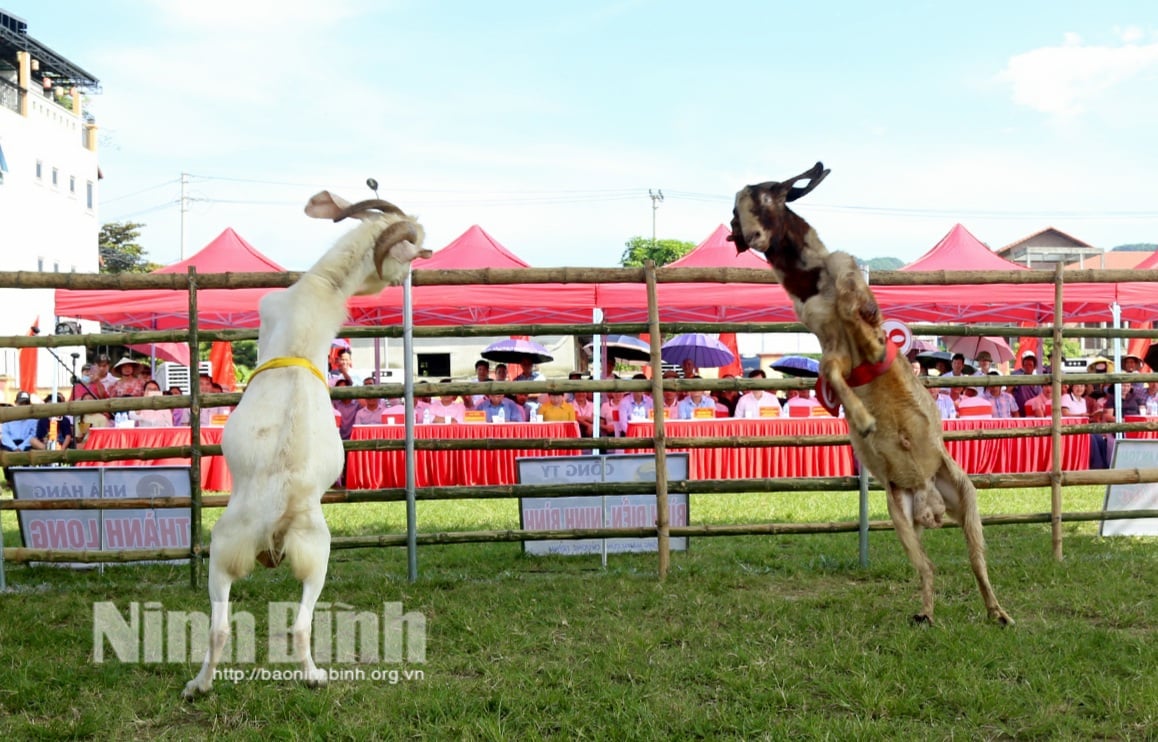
[(751, 402), (446, 407)]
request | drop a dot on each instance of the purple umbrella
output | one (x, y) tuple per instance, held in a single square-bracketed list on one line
[(623, 347), (703, 350), (513, 350), (802, 366)]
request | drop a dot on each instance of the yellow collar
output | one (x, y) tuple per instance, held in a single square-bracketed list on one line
[(287, 362)]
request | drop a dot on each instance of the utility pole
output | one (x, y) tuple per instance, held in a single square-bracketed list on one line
[(656, 197), (184, 208)]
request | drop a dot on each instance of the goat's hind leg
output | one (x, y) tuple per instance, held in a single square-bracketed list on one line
[(901, 512), (961, 504), (308, 551), (220, 581)]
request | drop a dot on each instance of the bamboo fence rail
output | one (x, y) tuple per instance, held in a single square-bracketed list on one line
[(660, 443)]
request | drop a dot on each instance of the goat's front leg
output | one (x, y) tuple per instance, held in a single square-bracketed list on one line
[(859, 417)]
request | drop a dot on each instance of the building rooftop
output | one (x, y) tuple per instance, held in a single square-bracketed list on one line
[(14, 37)]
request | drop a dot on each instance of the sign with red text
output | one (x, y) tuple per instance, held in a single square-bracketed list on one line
[(612, 511), (103, 530)]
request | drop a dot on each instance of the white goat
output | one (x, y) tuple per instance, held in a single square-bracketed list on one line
[(281, 443)]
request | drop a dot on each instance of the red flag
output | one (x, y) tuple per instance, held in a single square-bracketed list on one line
[(1139, 346), (221, 358), (28, 361), (1028, 344), (735, 368)]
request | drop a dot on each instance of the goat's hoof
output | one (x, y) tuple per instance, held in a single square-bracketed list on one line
[(922, 619), (316, 678), (1001, 617), (194, 689)]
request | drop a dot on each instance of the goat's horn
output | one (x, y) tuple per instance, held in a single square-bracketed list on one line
[(391, 236), (380, 205), (815, 175)]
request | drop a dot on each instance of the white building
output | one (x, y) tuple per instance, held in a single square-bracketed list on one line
[(48, 188)]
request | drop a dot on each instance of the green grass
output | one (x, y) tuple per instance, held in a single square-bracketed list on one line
[(751, 637)]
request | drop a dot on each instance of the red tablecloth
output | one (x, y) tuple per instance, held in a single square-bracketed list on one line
[(214, 473), (975, 456), (379, 469), (1140, 433)]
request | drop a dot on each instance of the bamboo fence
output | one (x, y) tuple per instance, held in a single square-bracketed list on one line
[(660, 443)]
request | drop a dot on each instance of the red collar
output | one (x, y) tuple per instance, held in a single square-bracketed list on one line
[(866, 372)]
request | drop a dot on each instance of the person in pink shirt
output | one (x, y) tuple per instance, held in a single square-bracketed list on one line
[(584, 413), (371, 409), (447, 408)]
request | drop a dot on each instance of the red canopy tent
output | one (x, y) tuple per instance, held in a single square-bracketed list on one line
[(477, 304), (162, 309)]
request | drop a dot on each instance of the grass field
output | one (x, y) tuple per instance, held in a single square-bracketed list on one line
[(781, 637)]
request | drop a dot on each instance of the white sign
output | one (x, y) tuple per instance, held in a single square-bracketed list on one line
[(613, 511), (103, 530), (1132, 454)]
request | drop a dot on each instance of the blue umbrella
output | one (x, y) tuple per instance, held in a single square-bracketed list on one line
[(703, 350), (513, 350), (623, 347), (797, 366)]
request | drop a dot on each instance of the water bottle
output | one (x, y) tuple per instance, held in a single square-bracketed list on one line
[(427, 416), (500, 416), (1152, 407)]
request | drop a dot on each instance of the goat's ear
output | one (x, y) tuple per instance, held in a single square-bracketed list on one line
[(325, 205)]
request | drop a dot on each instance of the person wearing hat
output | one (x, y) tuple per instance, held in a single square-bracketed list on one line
[(984, 366), (129, 381), (17, 435), (1133, 395), (1026, 392)]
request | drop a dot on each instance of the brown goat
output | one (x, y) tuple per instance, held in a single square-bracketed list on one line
[(894, 424)]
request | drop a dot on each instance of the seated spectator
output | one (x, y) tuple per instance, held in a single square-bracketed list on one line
[(609, 414), (633, 406), (506, 409), (370, 412), (729, 398), (152, 418), (1040, 404), (584, 413), (696, 399), (90, 420), (1004, 405), (750, 403), (42, 441), (482, 373), (501, 372), (129, 381), (556, 409), (798, 398), (447, 408), (422, 412), (945, 406), (212, 416), (347, 408), (180, 414), (671, 398), (970, 403), (1074, 401), (17, 435)]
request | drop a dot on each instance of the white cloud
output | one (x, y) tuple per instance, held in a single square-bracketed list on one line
[(1065, 81)]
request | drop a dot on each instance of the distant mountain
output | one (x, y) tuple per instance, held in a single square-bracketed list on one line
[(1136, 247)]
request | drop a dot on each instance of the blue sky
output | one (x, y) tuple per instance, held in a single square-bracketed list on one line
[(548, 123)]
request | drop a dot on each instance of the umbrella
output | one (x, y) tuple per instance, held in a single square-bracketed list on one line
[(513, 350), (623, 347), (929, 359), (703, 350), (797, 366), (971, 347)]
